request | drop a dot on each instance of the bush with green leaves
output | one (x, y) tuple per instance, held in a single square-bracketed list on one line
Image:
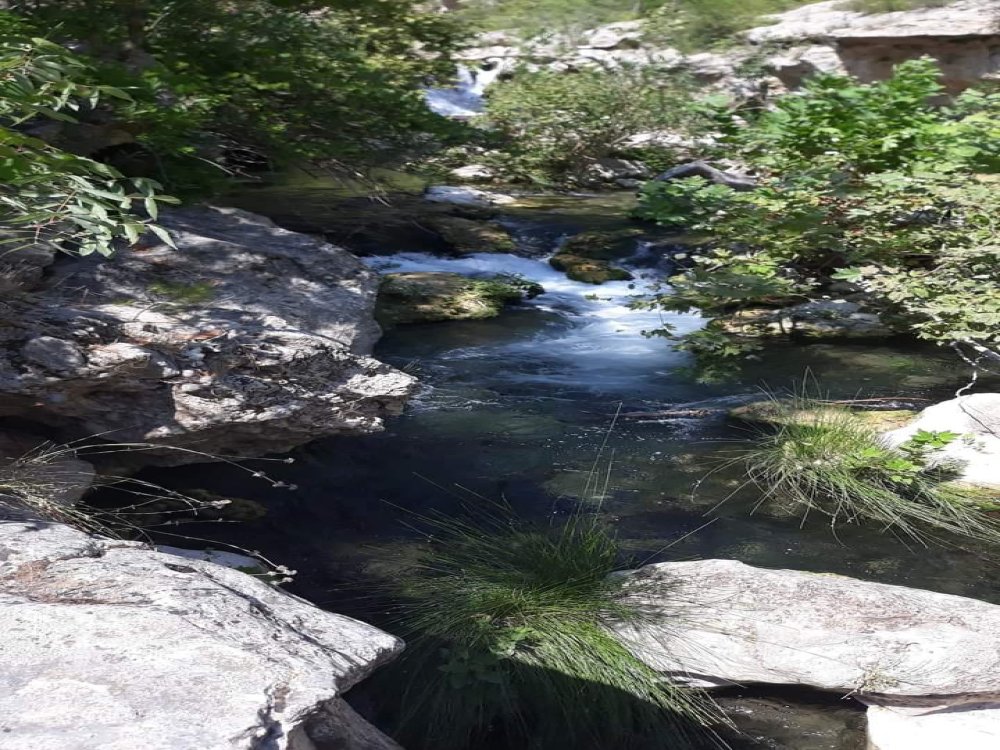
[(507, 646), (850, 176), (49, 195), (824, 460), (555, 126), (223, 84)]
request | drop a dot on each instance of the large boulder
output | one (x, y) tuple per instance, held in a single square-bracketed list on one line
[(247, 339), (932, 726), (109, 645), (720, 622), (976, 418), (962, 36)]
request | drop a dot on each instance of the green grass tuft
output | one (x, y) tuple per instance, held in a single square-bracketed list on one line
[(890, 6), (827, 460), (508, 649)]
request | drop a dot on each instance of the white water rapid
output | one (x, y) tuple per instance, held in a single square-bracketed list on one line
[(591, 338)]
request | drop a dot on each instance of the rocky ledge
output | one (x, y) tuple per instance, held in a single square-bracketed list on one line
[(110, 645), (247, 339), (927, 663)]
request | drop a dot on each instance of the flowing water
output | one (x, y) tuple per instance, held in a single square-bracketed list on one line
[(522, 409)]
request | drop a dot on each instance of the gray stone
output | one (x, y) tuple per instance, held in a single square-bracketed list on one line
[(466, 196), (109, 645), (33, 466), (720, 622), (247, 340), (971, 726), (50, 353), (976, 417)]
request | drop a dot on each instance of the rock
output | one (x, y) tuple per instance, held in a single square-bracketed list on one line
[(602, 244), (233, 560), (614, 35), (792, 67), (56, 355), (817, 319), (427, 297), (610, 169), (962, 36), (977, 418), (588, 270), (22, 263), (970, 726), (720, 622), (473, 173), (247, 340), (707, 172), (109, 645), (466, 196), (472, 236)]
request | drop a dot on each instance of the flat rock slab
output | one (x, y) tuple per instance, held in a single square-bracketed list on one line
[(976, 418), (720, 622), (111, 646), (974, 726)]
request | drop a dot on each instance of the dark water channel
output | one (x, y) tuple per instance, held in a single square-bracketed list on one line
[(518, 408)]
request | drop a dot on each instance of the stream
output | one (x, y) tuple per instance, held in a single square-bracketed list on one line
[(521, 409)]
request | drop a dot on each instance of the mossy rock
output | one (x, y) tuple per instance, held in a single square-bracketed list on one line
[(466, 235), (783, 411), (425, 297), (602, 245), (588, 270)]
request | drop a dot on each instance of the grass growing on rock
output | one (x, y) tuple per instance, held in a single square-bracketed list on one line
[(508, 649), (826, 460)]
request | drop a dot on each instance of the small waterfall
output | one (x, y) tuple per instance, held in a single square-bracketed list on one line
[(465, 99)]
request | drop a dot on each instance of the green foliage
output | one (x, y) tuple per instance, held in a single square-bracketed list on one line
[(825, 460), (532, 17), (696, 24), (891, 6), (505, 626), (47, 194), (867, 183), (555, 126), (859, 127), (330, 81)]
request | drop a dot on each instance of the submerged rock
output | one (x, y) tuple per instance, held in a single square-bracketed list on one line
[(817, 319), (786, 411), (246, 340), (466, 236), (587, 270), (109, 645), (427, 297), (976, 419)]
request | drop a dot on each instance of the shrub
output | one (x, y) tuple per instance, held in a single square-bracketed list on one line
[(507, 644), (557, 125), (825, 460)]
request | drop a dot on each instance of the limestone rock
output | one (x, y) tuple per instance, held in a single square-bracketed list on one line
[(466, 196), (971, 726), (473, 173), (707, 172), (109, 645), (977, 418), (247, 340), (720, 622)]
